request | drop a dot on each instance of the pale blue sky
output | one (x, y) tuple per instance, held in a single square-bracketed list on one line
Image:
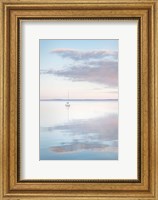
[(85, 68)]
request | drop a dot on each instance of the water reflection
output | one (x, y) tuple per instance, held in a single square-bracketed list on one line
[(76, 146), (93, 138), (68, 114)]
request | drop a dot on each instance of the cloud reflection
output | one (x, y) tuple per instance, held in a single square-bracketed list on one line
[(77, 147), (99, 134)]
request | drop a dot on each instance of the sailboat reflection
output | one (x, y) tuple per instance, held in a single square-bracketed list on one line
[(67, 105), (68, 114)]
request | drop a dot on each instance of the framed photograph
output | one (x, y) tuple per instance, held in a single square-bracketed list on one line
[(78, 100)]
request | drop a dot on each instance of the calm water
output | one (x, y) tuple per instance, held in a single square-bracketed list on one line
[(87, 130)]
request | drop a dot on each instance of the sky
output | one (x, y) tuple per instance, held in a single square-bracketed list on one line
[(86, 69)]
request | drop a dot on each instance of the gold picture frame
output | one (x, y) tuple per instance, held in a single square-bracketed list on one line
[(12, 12)]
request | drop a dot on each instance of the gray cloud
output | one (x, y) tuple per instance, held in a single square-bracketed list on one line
[(77, 55), (102, 72)]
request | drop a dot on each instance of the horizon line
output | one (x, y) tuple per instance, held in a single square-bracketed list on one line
[(77, 99)]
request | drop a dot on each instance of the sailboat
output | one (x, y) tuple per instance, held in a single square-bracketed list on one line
[(67, 103)]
